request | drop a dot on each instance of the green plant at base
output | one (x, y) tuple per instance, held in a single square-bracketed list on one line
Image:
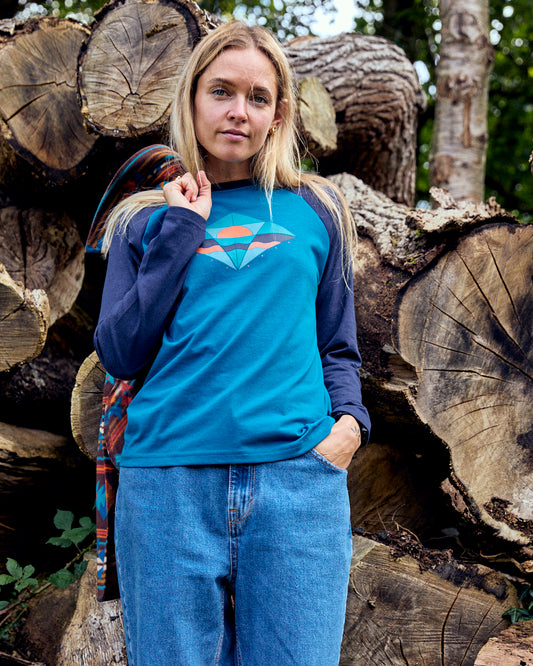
[(24, 585), (526, 611)]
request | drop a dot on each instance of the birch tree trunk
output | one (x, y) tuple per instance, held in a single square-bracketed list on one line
[(460, 134)]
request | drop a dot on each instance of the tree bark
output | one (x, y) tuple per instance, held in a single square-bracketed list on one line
[(68, 626), (408, 605), (513, 647), (41, 119), (460, 133), (377, 97), (95, 635), (129, 68)]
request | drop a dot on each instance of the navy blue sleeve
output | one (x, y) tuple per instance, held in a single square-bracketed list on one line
[(337, 331), (141, 287)]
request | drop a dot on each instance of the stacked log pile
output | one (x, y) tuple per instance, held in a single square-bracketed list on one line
[(443, 300)]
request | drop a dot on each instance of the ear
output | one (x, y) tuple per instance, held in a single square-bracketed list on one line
[(280, 114)]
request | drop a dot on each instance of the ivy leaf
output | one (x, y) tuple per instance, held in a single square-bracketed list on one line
[(62, 578), (517, 614), (63, 519), (6, 579), (14, 568), (4, 604)]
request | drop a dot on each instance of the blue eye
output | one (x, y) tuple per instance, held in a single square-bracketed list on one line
[(259, 99)]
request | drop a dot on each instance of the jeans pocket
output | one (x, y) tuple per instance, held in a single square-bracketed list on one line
[(325, 462)]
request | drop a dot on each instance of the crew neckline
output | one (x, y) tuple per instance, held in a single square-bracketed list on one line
[(232, 184)]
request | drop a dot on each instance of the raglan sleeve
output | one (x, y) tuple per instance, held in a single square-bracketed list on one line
[(142, 284), (337, 336)]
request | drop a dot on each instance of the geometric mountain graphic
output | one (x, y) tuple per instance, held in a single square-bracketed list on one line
[(238, 239)]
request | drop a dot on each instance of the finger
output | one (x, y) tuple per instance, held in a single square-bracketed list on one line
[(203, 183), (189, 187)]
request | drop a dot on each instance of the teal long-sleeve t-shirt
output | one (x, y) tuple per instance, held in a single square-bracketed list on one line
[(245, 322)]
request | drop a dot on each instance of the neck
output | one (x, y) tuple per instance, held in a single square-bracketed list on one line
[(227, 172)]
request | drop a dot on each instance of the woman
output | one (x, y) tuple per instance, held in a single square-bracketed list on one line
[(228, 291)]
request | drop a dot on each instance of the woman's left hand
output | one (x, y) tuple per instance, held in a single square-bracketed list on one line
[(342, 442)]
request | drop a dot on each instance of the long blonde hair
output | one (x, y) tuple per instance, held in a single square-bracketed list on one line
[(276, 165)]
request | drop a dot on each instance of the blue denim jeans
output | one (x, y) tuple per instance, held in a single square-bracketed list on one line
[(234, 564)]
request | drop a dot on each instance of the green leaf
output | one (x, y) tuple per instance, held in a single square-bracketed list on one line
[(24, 583), (516, 614), (14, 568), (59, 541), (4, 604), (87, 523), (77, 534), (79, 568), (63, 519), (28, 571), (62, 578), (6, 579)]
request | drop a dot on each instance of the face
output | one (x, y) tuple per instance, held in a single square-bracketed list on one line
[(234, 108)]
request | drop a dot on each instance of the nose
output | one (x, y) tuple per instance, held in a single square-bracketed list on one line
[(238, 110)]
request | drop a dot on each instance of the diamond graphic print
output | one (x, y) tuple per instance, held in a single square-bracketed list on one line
[(237, 240)]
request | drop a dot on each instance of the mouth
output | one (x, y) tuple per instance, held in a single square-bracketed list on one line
[(234, 134)]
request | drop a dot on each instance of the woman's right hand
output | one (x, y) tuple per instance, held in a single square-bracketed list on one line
[(189, 193)]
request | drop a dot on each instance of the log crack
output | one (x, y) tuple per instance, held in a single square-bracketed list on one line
[(443, 630)]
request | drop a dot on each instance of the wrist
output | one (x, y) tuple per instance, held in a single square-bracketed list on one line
[(363, 430)]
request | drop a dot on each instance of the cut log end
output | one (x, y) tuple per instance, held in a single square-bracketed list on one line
[(465, 325), (24, 321), (38, 73), (86, 405), (423, 609), (317, 117), (130, 66)]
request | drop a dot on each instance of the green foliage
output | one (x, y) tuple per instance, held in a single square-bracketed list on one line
[(20, 583), (525, 612), (287, 18), (511, 108), (81, 10), (415, 26), (19, 576), (70, 536)]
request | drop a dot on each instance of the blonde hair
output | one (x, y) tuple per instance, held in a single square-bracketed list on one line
[(276, 165)]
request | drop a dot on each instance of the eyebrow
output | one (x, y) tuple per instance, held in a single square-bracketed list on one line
[(259, 89)]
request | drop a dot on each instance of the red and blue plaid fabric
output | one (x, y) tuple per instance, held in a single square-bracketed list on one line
[(148, 168)]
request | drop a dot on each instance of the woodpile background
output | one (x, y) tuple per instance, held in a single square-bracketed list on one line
[(442, 499)]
